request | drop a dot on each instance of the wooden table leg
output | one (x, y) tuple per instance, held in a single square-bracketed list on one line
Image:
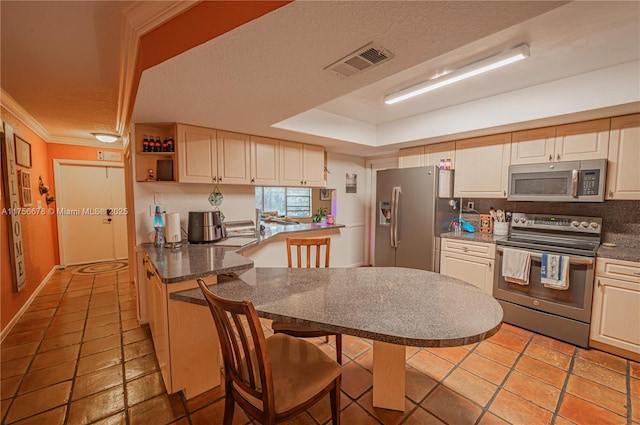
[(389, 368)]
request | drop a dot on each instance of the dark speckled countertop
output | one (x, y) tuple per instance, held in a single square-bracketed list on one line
[(617, 253), (191, 261), (396, 305)]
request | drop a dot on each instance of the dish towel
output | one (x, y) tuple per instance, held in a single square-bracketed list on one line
[(515, 266), (554, 271)]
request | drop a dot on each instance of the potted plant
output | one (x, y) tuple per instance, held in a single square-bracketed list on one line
[(317, 217)]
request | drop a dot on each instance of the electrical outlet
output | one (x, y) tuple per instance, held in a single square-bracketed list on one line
[(471, 205)]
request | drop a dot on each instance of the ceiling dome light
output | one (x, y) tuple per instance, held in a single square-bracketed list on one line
[(106, 138)]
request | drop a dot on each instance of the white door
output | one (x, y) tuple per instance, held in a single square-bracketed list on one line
[(91, 213)]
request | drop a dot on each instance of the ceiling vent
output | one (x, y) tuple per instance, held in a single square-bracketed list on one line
[(360, 60)]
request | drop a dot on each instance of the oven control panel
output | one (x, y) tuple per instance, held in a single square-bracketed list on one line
[(558, 222)]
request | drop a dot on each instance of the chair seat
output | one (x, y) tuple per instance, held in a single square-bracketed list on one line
[(299, 331), (300, 371)]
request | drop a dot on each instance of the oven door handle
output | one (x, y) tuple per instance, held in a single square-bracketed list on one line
[(572, 260), (574, 183)]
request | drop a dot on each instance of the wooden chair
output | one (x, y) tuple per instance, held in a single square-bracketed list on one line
[(272, 379), (298, 330)]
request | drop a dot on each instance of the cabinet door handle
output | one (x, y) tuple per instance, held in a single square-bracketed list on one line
[(144, 261), (149, 274), (599, 284), (610, 193), (215, 179), (305, 182), (558, 157), (220, 179), (253, 180), (504, 192), (550, 157), (301, 181)]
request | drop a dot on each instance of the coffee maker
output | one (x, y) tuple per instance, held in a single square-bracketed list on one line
[(204, 227)]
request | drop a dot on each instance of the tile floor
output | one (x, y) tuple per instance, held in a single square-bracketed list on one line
[(78, 356)]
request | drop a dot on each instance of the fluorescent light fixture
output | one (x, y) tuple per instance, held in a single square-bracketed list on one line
[(493, 62), (106, 138)]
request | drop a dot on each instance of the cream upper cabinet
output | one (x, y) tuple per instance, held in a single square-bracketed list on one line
[(313, 169), (265, 161), (533, 146), (291, 164), (197, 154), (582, 140), (234, 158), (422, 156), (482, 166), (616, 306), (301, 165), (411, 157), (623, 172)]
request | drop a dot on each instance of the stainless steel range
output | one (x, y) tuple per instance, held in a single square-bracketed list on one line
[(563, 314)]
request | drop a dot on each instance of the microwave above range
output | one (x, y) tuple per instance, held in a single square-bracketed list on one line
[(570, 181)]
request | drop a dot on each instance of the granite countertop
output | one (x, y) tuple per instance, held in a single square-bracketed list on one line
[(619, 253), (476, 236), (396, 305), (191, 261)]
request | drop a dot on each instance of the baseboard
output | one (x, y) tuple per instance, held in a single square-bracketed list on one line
[(27, 304)]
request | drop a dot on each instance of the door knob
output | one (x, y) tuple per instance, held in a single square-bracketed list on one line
[(149, 274)]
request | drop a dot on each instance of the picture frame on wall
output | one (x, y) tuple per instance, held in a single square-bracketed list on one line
[(24, 188), (23, 152), (325, 194)]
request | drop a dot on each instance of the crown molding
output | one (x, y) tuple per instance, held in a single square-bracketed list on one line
[(140, 18), (10, 104)]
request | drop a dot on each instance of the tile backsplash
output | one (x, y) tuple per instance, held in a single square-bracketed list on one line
[(620, 219)]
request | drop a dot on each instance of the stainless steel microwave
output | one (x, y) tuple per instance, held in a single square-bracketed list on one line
[(570, 181)]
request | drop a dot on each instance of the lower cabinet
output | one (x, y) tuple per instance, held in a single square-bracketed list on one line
[(184, 337), (470, 261), (615, 317)]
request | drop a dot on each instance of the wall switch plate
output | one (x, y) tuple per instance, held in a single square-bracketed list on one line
[(39, 203), (100, 156), (471, 205)]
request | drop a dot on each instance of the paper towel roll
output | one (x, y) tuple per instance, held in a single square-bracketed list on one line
[(172, 228)]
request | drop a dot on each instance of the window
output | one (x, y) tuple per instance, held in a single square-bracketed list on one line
[(288, 201)]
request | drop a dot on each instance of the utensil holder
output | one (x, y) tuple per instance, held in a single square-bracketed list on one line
[(500, 228)]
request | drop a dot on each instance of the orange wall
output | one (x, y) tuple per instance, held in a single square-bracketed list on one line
[(40, 248), (39, 232)]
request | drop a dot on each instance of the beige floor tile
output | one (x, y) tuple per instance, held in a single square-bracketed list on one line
[(54, 357), (355, 380), (604, 359), (451, 407), (431, 365), (39, 401), (162, 409), (542, 371), (19, 351), (48, 376), (598, 394), (97, 406), (100, 360), (533, 390), (601, 375), (547, 355), (99, 345), (149, 386), (517, 410), (98, 381), (60, 341), (471, 386), (581, 412)]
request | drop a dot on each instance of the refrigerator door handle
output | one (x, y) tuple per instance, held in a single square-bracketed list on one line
[(395, 201)]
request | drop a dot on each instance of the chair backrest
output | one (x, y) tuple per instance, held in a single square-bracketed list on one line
[(244, 350), (309, 243)]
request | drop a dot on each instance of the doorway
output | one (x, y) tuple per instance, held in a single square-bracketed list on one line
[(91, 211)]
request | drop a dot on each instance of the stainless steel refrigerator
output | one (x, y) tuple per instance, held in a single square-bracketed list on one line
[(414, 207)]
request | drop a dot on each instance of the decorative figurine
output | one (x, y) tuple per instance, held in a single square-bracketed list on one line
[(151, 176)]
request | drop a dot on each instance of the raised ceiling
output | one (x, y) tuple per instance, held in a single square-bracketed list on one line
[(62, 63)]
